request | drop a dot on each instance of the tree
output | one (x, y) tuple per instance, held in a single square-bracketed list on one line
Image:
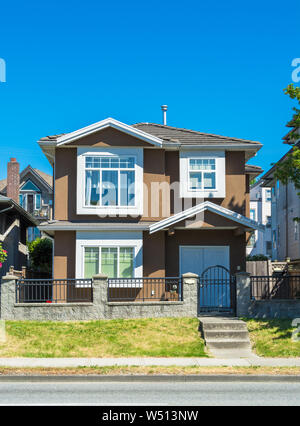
[(40, 256), (289, 169)]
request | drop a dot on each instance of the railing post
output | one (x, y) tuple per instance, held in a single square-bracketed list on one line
[(100, 293), (190, 293), (8, 296), (243, 293)]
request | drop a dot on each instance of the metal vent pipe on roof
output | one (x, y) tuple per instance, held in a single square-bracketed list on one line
[(164, 109)]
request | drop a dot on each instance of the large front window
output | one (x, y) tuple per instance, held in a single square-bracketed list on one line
[(115, 262), (109, 181)]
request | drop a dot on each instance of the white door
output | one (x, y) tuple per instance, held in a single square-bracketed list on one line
[(197, 258)]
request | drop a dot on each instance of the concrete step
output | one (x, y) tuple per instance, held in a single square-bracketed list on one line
[(228, 344), (226, 334), (224, 325)]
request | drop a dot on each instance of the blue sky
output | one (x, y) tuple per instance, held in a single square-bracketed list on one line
[(220, 66)]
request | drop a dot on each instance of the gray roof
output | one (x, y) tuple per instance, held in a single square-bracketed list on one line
[(186, 136), (27, 216), (44, 176), (177, 134)]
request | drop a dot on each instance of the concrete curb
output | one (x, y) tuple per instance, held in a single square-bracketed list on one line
[(147, 362), (149, 378)]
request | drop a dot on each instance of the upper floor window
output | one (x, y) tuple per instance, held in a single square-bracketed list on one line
[(268, 195), (252, 214), (202, 174), (109, 181)]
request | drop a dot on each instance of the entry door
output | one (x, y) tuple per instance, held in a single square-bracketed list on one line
[(197, 258), (214, 285)]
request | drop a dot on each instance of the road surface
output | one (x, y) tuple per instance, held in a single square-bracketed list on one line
[(150, 393)]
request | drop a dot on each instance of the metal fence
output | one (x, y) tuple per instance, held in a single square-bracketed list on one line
[(283, 286), (144, 289), (54, 291)]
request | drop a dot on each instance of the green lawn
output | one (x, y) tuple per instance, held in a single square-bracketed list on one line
[(159, 337), (273, 338)]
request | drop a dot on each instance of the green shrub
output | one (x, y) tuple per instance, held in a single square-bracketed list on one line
[(256, 257), (40, 255)]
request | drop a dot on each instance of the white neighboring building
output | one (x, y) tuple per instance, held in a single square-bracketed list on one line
[(260, 210), (285, 208)]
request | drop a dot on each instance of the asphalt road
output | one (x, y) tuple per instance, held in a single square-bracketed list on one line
[(150, 393)]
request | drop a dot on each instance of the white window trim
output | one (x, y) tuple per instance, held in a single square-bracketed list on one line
[(202, 174), (118, 247), (136, 210), (109, 239), (185, 191)]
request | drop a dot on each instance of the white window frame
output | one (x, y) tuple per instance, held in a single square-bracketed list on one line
[(135, 210), (112, 169), (108, 239), (202, 174), (118, 257), (219, 157)]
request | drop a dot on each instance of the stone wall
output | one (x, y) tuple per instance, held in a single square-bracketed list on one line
[(275, 308), (100, 308)]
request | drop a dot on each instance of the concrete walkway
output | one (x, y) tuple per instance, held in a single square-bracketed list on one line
[(182, 362)]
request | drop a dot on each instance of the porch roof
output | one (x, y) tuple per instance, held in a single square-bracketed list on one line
[(201, 208)]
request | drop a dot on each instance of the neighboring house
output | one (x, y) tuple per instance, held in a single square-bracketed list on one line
[(14, 221), (260, 242), (32, 189), (148, 200), (285, 208)]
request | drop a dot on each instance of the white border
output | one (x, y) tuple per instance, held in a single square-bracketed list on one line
[(136, 210), (219, 156), (109, 239), (199, 208), (109, 122)]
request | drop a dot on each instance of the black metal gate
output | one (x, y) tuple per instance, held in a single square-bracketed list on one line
[(217, 290)]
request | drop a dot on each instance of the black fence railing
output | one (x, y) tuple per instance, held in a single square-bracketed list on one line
[(283, 286), (144, 289), (54, 291)]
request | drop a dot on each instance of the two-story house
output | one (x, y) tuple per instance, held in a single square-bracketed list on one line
[(32, 190), (148, 200)]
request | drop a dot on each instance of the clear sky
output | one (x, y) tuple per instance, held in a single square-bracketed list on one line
[(221, 67)]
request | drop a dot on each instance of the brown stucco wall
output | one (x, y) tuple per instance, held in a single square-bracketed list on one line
[(161, 251), (160, 167), (154, 254), (204, 238), (64, 254)]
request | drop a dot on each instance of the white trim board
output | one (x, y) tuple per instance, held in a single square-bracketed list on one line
[(103, 124), (110, 239), (212, 207)]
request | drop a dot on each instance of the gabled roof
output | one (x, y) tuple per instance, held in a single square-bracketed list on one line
[(43, 177), (200, 208), (96, 127), (155, 134)]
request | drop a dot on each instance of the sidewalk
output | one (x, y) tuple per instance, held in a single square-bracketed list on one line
[(181, 362)]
